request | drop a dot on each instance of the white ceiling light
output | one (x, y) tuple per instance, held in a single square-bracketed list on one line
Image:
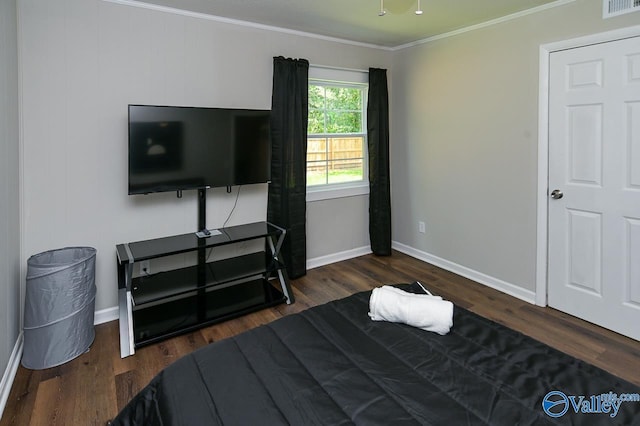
[(383, 11)]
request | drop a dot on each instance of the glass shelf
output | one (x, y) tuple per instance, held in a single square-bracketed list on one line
[(196, 310), (160, 247), (156, 287)]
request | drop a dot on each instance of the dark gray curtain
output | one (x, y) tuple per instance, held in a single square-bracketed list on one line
[(287, 205), (379, 178)]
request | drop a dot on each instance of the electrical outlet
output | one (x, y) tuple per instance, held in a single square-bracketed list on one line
[(421, 227), (145, 267)]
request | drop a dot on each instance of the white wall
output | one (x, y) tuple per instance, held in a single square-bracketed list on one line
[(464, 142), (463, 130), (9, 194), (83, 61)]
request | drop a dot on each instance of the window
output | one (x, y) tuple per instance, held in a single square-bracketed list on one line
[(336, 135)]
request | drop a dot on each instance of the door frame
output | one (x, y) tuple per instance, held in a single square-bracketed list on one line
[(542, 237)]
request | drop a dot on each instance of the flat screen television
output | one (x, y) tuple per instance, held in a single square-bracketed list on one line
[(179, 148)]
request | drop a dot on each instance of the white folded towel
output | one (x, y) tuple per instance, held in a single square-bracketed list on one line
[(424, 311)]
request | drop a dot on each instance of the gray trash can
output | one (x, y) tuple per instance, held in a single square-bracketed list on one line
[(59, 306)]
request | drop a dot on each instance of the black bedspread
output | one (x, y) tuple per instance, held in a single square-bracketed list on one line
[(332, 365)]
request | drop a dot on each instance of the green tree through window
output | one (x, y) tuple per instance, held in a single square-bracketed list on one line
[(336, 133)]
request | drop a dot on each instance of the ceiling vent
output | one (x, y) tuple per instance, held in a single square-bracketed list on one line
[(619, 7)]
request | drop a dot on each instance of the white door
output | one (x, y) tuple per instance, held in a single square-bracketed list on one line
[(594, 184)]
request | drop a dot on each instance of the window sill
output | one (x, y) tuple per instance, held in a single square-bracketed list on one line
[(328, 193)]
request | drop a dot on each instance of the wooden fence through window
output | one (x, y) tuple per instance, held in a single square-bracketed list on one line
[(342, 153)]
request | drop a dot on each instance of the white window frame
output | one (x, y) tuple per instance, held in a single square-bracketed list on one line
[(347, 78)]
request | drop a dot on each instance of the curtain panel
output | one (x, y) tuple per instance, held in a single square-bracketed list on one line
[(288, 188), (379, 177)]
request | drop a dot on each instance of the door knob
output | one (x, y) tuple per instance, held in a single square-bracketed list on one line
[(557, 194)]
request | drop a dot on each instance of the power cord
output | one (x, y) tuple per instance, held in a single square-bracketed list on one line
[(228, 218), (233, 208)]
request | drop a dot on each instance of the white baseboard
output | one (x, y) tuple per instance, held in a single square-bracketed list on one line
[(10, 372), (337, 257), (495, 283), (112, 314), (106, 315)]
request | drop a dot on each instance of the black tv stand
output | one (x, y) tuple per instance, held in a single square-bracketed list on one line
[(158, 306)]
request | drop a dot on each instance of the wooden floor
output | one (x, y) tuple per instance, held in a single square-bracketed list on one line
[(92, 388)]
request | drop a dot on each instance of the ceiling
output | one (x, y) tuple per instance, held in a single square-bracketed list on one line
[(358, 20)]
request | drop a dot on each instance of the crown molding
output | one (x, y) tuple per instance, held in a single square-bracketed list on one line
[(215, 18), (490, 23), (206, 16)]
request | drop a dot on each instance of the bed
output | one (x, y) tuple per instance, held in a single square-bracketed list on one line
[(332, 365)]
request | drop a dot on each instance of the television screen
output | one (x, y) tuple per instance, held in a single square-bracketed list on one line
[(177, 148)]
